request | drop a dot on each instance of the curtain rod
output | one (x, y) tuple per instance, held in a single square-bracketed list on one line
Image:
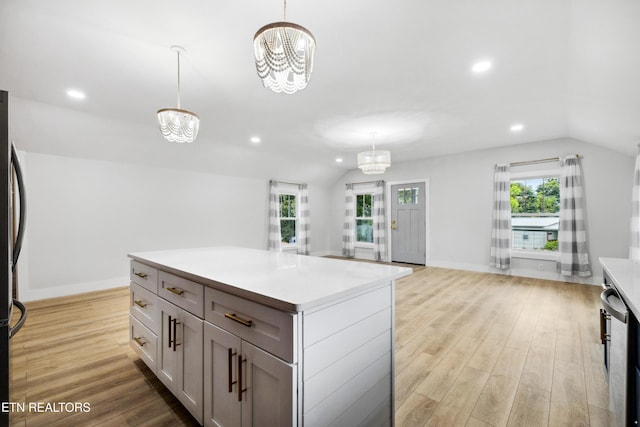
[(533, 162), (364, 182), (284, 182)]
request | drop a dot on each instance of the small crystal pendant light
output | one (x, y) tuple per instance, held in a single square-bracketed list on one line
[(374, 161), (176, 124), (284, 55)]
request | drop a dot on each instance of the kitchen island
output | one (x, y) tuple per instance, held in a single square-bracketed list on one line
[(250, 337)]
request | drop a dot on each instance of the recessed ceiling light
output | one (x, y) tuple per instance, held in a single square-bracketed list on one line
[(255, 140), (481, 67), (338, 159), (76, 94), (516, 127)]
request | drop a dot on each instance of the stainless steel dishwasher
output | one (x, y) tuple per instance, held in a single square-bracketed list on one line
[(616, 352)]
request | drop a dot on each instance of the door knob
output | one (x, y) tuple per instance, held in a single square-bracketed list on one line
[(393, 224)]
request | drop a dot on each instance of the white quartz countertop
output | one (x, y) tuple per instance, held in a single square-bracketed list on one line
[(285, 281), (625, 274)]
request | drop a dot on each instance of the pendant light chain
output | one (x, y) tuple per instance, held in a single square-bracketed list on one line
[(178, 52), (285, 11)]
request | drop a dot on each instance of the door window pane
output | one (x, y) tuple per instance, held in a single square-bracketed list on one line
[(408, 196)]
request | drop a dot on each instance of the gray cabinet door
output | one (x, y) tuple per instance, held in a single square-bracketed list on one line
[(270, 398), (221, 406)]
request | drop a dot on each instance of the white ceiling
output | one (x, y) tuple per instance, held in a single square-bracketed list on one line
[(399, 68)]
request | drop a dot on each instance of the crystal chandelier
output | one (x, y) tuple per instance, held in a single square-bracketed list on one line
[(178, 125), (284, 55), (374, 161)]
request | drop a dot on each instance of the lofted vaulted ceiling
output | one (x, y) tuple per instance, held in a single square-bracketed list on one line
[(401, 69)]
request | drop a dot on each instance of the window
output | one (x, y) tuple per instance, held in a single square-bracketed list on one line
[(288, 218), (535, 213), (364, 218)]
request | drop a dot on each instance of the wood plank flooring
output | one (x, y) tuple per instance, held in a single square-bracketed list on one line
[(480, 349), (472, 349)]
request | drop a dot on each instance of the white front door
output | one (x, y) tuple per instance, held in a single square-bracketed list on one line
[(408, 224)]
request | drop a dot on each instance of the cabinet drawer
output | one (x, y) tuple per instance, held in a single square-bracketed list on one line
[(267, 328), (144, 342), (182, 292), (143, 275), (143, 305)]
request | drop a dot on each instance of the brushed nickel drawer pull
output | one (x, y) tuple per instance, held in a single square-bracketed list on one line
[(176, 291), (140, 304), (139, 341), (141, 275), (233, 317)]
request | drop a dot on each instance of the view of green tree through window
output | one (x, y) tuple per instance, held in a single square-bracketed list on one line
[(535, 213), (364, 219), (288, 217)]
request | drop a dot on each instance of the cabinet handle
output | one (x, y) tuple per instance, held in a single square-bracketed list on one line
[(233, 317), (240, 389), (175, 336), (140, 303), (169, 331), (141, 275), (176, 291), (231, 353), (139, 341)]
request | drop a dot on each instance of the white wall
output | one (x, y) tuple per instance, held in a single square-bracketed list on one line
[(461, 200), (84, 216)]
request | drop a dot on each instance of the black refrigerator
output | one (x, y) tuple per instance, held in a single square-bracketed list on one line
[(13, 208)]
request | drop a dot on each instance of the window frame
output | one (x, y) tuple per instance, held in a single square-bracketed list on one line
[(293, 191), (356, 193), (538, 254)]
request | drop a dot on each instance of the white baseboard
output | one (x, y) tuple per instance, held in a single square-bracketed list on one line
[(26, 295), (534, 274), (322, 253), (334, 253)]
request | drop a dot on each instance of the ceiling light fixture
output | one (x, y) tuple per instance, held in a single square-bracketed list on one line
[(481, 67), (178, 125), (255, 140), (284, 55), (374, 161), (516, 127)]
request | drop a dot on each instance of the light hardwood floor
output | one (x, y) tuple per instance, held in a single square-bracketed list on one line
[(472, 349)]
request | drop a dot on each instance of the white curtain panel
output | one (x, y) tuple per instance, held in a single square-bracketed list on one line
[(349, 228), (634, 249), (304, 227), (501, 222), (274, 218), (379, 238), (572, 234)]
